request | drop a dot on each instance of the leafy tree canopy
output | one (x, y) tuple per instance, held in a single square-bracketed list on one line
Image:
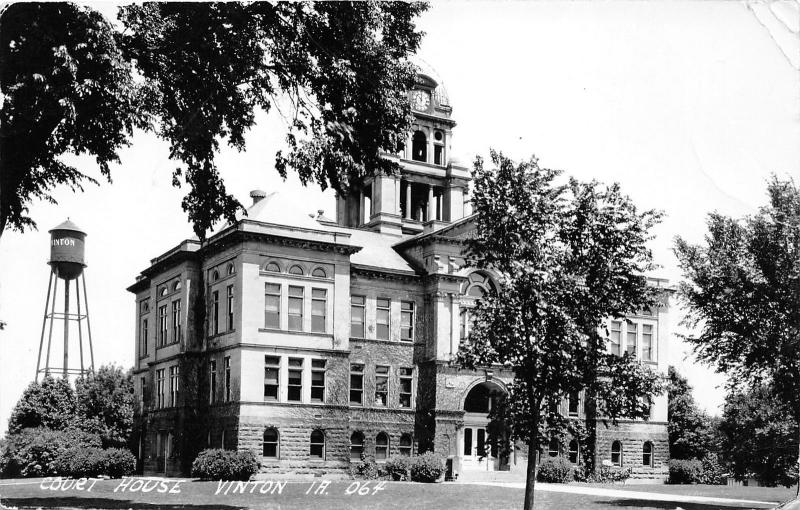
[(742, 292), (105, 403), (692, 433), (50, 404), (759, 437), (566, 258), (195, 73)]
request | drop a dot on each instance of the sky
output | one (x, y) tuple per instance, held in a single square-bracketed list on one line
[(690, 106)]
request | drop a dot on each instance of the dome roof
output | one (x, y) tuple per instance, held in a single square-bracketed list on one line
[(426, 70)]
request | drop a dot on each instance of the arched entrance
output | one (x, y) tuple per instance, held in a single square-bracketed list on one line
[(477, 450)]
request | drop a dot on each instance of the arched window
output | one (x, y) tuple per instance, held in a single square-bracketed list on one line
[(317, 445), (296, 270), (382, 446), (165, 291), (176, 285), (356, 445), (555, 446), (574, 451), (438, 148), (270, 447), (405, 445), (616, 453), (273, 267), (215, 275), (231, 268), (419, 147), (479, 285), (319, 273), (647, 454)]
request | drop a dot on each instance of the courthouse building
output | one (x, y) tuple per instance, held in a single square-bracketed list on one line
[(311, 340)]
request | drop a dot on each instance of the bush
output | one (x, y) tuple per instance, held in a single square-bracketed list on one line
[(33, 452), (685, 471), (398, 468), (555, 470), (711, 471), (91, 462), (366, 469), (215, 464), (427, 467), (607, 473)]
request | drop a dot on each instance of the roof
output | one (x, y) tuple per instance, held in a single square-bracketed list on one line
[(68, 225), (377, 250)]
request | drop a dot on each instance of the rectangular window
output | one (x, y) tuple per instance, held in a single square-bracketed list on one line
[(574, 403), (174, 382), (407, 321), (215, 312), (212, 381), (272, 370), (463, 320), (162, 325), (383, 318), (356, 384), (142, 395), (319, 307), (176, 320), (295, 308), (230, 308), (468, 442), (406, 377), (227, 363), (648, 353), (381, 385), (318, 380), (295, 391), (160, 401), (272, 305), (143, 338), (630, 339), (357, 308), (616, 337), (438, 151)]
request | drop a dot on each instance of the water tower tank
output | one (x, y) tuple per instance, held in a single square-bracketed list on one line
[(66, 250)]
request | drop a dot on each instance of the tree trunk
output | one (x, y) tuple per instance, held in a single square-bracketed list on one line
[(533, 452), (797, 495)]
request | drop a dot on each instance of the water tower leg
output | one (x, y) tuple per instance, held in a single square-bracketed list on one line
[(44, 323), (88, 324), (80, 334), (50, 334), (66, 327)]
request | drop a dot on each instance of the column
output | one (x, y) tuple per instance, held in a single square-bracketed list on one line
[(431, 210), (408, 200)]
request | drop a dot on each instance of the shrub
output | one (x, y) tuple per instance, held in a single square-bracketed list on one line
[(609, 474), (366, 469), (555, 470), (711, 471), (398, 468), (33, 452), (427, 467), (89, 462), (684, 471), (215, 464)]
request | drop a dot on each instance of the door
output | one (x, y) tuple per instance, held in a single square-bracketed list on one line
[(475, 450)]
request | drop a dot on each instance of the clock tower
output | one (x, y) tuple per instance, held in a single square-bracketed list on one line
[(431, 187)]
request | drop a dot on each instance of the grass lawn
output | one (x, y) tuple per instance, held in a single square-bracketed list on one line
[(776, 494), (296, 495)]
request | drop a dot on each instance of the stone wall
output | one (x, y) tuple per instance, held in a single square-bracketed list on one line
[(632, 435)]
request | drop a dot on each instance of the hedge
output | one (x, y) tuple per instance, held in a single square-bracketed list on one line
[(555, 470), (216, 464)]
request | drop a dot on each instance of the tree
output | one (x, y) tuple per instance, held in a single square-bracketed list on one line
[(759, 437), (692, 433), (742, 292), (338, 72), (50, 404), (566, 258), (65, 87), (105, 403)]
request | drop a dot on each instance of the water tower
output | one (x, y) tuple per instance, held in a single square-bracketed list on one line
[(66, 263)]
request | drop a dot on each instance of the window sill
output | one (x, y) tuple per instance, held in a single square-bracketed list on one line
[(381, 341), (217, 335), (167, 345), (294, 332)]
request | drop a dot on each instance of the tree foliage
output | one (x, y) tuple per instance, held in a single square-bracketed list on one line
[(65, 88), (196, 73), (742, 292), (49, 404), (566, 258), (105, 404), (759, 437), (692, 432)]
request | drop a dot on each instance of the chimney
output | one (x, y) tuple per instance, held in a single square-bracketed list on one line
[(257, 195)]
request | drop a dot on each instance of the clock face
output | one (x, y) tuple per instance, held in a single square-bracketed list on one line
[(420, 100)]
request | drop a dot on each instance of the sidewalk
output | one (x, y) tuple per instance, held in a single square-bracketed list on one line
[(626, 494)]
